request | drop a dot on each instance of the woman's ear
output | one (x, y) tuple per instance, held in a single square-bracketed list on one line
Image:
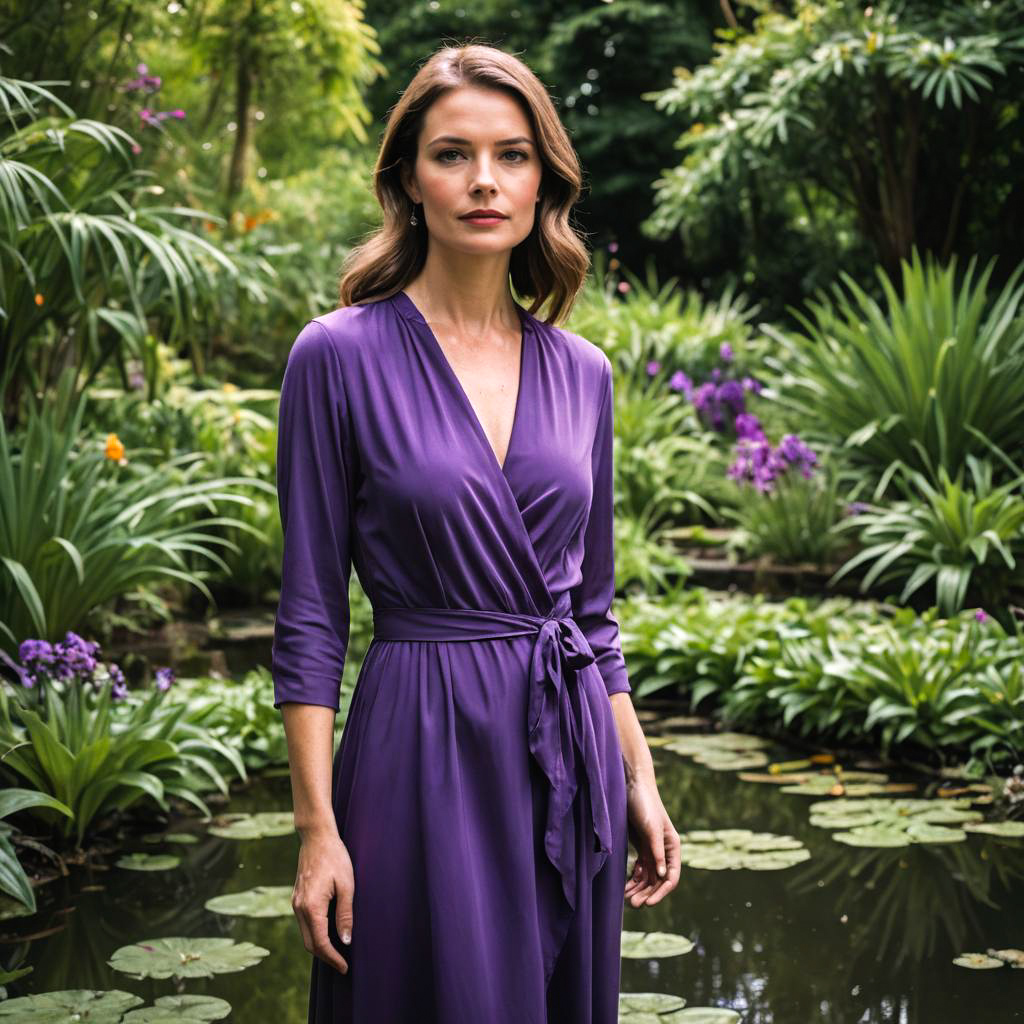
[(408, 184)]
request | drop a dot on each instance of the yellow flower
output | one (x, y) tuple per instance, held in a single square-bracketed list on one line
[(228, 386), (114, 449)]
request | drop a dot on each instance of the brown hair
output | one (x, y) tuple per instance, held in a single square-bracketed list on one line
[(550, 264)]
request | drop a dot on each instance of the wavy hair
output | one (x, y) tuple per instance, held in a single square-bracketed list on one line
[(550, 264)]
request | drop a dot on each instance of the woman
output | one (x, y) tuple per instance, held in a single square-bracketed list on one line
[(463, 861)]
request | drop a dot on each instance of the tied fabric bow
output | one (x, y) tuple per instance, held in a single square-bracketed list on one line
[(560, 724)]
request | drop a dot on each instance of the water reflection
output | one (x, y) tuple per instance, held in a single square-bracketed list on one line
[(852, 936)]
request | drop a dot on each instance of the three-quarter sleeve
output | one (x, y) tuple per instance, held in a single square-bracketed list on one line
[(314, 476), (592, 596)]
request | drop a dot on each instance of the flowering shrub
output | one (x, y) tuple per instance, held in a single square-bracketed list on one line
[(71, 728), (757, 462), (720, 402), (779, 512), (74, 661)]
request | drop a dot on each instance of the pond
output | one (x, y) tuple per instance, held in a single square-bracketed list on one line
[(850, 935)]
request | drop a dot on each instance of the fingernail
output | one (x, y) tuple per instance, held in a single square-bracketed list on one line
[(661, 870), (346, 937)]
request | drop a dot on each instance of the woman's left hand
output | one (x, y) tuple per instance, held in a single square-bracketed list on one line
[(656, 842)]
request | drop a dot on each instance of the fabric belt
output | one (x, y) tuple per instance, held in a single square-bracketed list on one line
[(559, 724)]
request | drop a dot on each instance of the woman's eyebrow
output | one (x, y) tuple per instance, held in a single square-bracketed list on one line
[(518, 140)]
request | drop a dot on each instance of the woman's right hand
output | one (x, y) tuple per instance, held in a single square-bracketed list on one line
[(324, 873)]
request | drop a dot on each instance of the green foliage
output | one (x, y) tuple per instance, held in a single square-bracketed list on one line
[(914, 380), (669, 467), (86, 258), (13, 880), (98, 755), (240, 713), (235, 431), (793, 523), (967, 539), (860, 125), (836, 670), (78, 529)]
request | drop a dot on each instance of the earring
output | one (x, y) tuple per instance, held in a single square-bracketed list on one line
[(413, 219)]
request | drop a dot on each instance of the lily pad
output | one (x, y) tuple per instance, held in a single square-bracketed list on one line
[(699, 743), (654, 945), (658, 741), (740, 848), (170, 837), (731, 760), (76, 1004), (648, 1007), (839, 784), (185, 957), (977, 961), (1014, 957), (1010, 829), (148, 861), (178, 1009), (260, 825), (873, 836), (891, 823), (263, 901)]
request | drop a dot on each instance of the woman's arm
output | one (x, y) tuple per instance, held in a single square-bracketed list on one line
[(309, 730), (636, 754), (650, 829), (314, 487), (324, 871)]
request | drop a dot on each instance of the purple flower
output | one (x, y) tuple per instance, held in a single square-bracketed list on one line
[(613, 246), (38, 651), (79, 655), (981, 615), (118, 689), (752, 384), (148, 116), (653, 367), (794, 451), (856, 507), (731, 392), (758, 463), (749, 426), (725, 352), (680, 382), (164, 678)]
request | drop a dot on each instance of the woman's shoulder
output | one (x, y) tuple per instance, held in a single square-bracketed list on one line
[(339, 336), (584, 354)]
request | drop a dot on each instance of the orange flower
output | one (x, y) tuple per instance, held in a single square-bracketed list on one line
[(39, 299), (114, 449)]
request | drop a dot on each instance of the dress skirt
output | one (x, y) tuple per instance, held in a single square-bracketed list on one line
[(458, 915)]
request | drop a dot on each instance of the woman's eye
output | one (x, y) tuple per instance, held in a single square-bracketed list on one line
[(518, 152)]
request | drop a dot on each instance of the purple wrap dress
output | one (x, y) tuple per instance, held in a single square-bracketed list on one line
[(479, 785)]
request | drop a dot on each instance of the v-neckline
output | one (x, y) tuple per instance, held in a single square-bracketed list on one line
[(405, 302)]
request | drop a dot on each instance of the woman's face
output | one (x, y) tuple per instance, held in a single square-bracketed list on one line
[(476, 151)]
